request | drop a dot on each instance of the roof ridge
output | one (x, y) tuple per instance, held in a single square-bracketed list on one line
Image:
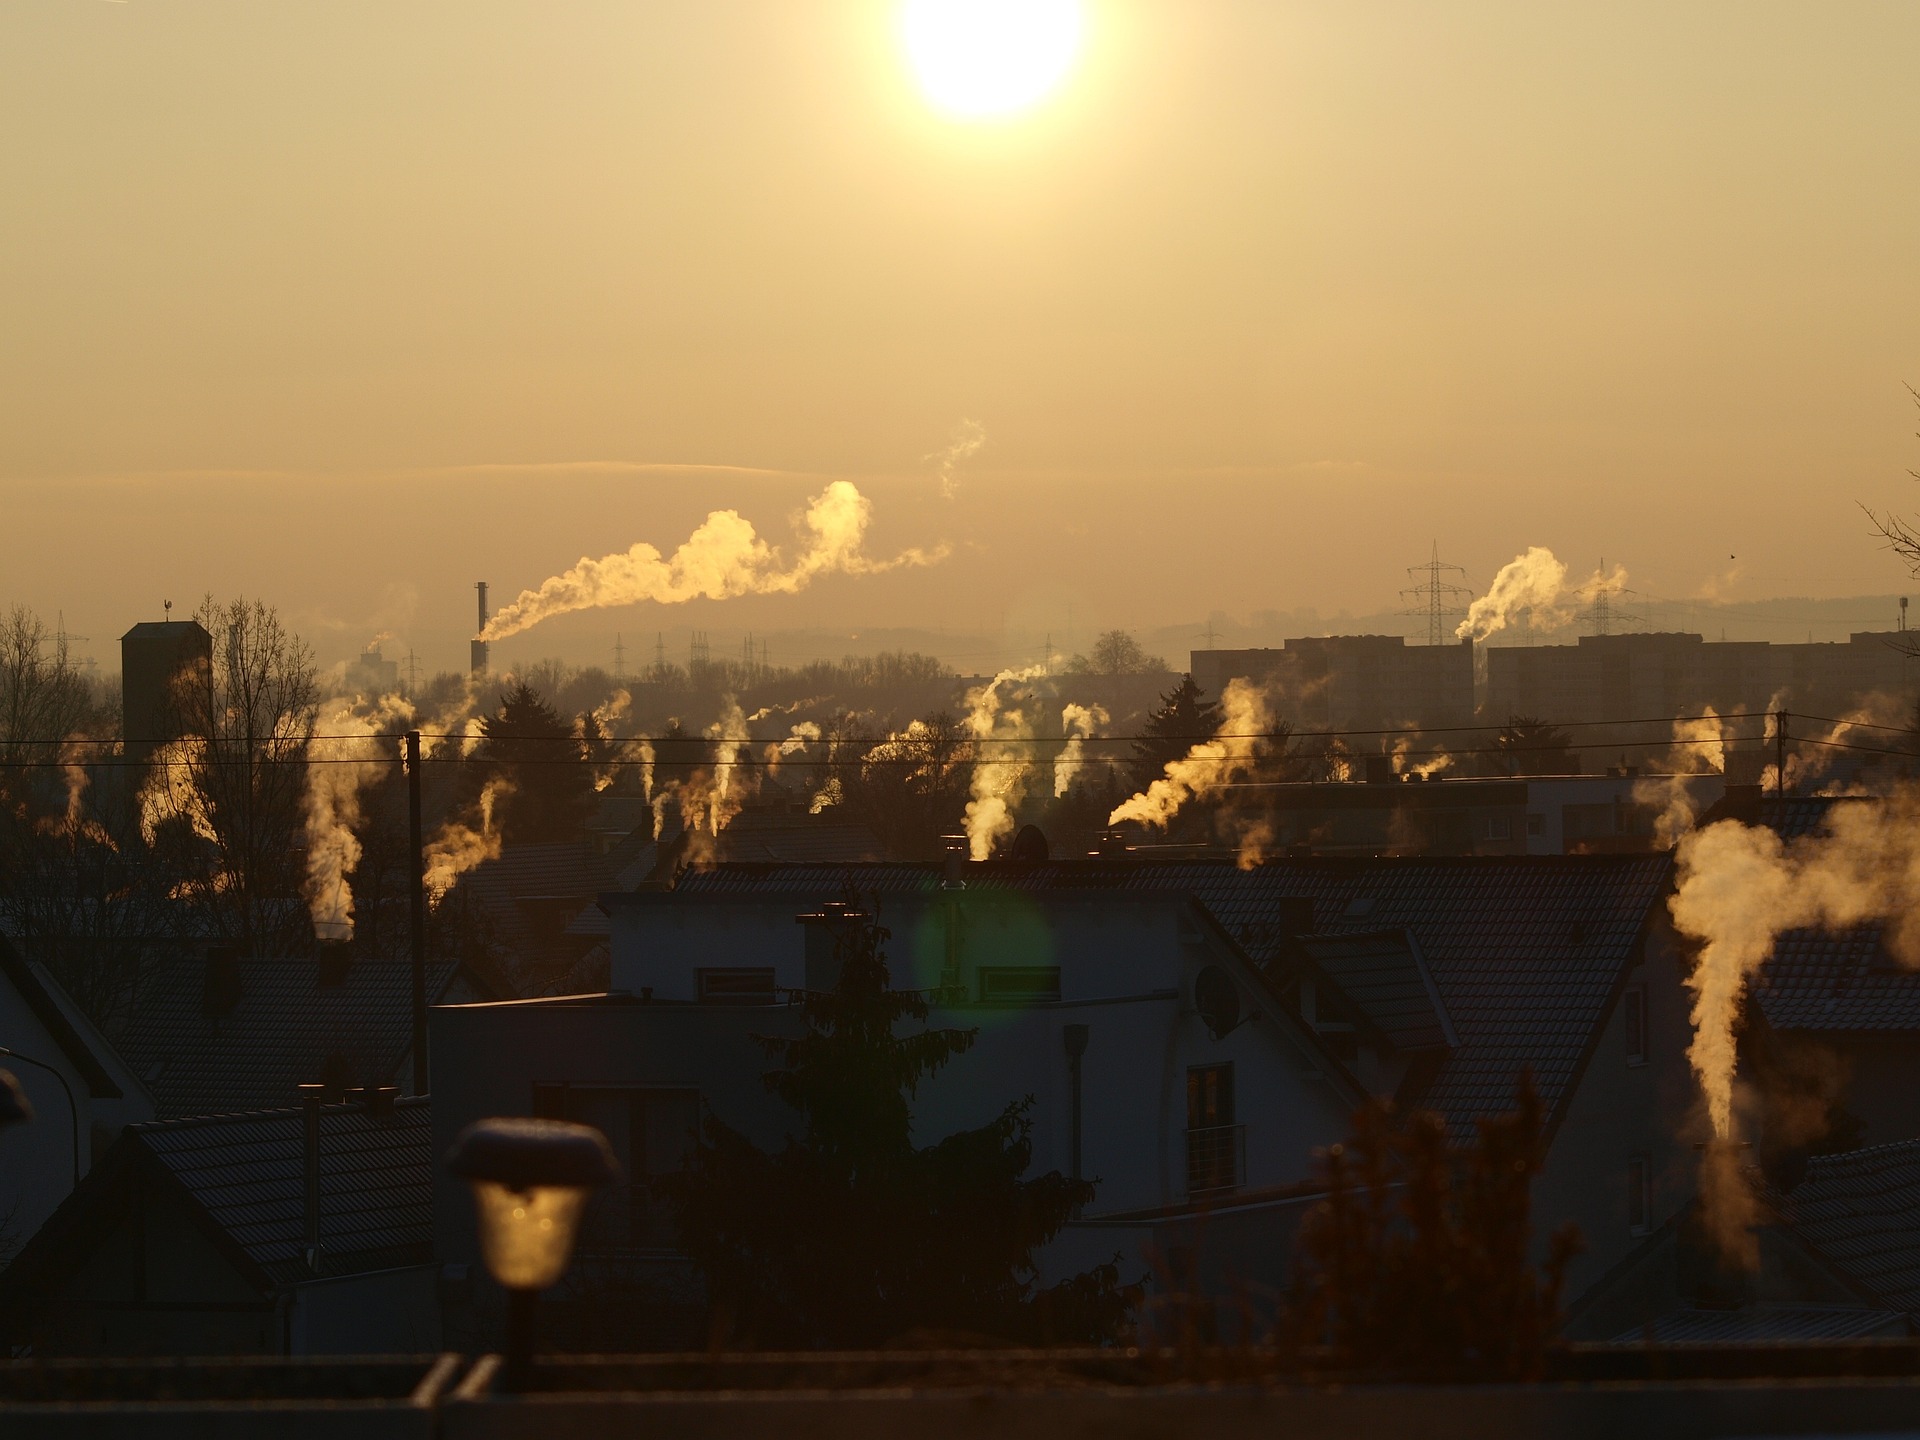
[(410, 1102)]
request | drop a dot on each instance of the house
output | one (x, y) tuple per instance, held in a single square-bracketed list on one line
[(218, 1032), (294, 1231), (1406, 814), (1189, 1032), (1838, 1257), (81, 1091)]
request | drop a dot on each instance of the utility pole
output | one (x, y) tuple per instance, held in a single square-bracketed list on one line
[(419, 916), (619, 657)]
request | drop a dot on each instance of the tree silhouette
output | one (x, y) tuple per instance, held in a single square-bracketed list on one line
[(850, 1235), (527, 743), (1419, 1259), (1527, 745), (1184, 718)]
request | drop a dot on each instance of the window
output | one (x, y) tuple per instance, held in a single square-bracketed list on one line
[(651, 1131), (1215, 1144), (1536, 824), (1639, 1195), (1019, 984), (1634, 1009), (736, 985), (1499, 827)]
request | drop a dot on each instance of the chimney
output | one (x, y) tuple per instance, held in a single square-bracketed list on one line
[(332, 960), (1112, 844), (1380, 770), (221, 990), (310, 1174), (953, 856), (478, 650)]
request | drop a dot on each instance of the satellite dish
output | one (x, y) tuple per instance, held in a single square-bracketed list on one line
[(1030, 845), (1217, 999)]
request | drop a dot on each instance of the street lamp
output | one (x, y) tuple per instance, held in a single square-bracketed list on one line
[(531, 1180)]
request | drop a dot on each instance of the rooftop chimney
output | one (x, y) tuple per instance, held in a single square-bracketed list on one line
[(221, 990), (478, 654), (953, 855)]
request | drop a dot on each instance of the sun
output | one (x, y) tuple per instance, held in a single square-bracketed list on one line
[(979, 59)]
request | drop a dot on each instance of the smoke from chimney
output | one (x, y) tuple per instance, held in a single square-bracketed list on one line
[(1209, 764), (968, 437), (723, 558), (1002, 758), (1536, 583)]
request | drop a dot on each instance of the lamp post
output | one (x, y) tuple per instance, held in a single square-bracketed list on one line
[(73, 1110), (531, 1180)]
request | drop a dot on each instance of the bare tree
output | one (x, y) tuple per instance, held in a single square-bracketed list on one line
[(228, 796), (44, 699)]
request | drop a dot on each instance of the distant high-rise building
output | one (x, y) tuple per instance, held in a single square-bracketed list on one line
[(1351, 682)]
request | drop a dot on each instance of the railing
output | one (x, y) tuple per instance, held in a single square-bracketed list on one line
[(1216, 1158)]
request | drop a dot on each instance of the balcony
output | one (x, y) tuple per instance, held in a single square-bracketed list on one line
[(1216, 1158)]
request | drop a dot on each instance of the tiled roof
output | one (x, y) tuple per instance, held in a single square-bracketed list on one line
[(1861, 1211), (1838, 979), (1382, 973), (1526, 951), (800, 839), (530, 893), (1768, 1322), (247, 1172), (287, 1029)]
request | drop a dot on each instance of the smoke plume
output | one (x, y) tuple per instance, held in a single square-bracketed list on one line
[(1002, 758), (456, 847), (968, 437), (1740, 887), (1231, 753), (724, 558), (354, 745), (1080, 723), (1534, 583)]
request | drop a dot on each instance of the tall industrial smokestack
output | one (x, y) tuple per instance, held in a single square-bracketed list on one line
[(479, 648)]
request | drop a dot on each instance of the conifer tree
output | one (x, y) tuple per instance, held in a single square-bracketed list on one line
[(850, 1235)]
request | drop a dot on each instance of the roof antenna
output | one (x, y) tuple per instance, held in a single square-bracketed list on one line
[(167, 606)]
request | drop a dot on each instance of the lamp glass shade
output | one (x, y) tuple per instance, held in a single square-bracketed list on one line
[(526, 1236)]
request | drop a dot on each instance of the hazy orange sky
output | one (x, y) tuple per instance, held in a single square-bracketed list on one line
[(350, 304)]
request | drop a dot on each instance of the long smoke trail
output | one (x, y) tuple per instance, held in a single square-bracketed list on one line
[(1740, 887), (1002, 764), (1534, 583), (968, 437), (456, 847), (1207, 766), (725, 557)]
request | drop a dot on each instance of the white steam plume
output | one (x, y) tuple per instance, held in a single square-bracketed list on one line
[(721, 559), (1208, 765), (1002, 763), (1081, 723), (968, 437), (354, 745), (1534, 582), (1740, 887), (457, 847)]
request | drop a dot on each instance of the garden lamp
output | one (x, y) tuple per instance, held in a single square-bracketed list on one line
[(531, 1180)]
